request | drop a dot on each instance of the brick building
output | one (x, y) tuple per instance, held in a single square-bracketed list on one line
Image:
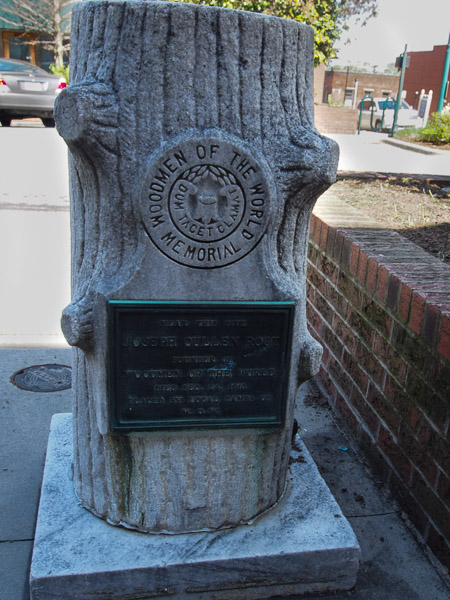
[(319, 82), (425, 72), (27, 38), (349, 87), (17, 43)]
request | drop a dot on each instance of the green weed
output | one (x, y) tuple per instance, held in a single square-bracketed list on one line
[(61, 71), (437, 130)]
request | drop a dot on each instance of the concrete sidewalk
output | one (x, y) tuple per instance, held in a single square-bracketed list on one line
[(394, 567), (34, 236), (377, 152), (35, 288)]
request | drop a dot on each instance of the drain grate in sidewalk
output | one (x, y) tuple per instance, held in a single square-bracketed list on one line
[(43, 378)]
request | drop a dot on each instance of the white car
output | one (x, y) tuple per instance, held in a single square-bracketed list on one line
[(372, 114)]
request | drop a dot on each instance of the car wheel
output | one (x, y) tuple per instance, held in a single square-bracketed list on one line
[(378, 124), (5, 121), (48, 122)]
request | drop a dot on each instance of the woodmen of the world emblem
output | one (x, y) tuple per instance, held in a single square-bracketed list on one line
[(205, 202)]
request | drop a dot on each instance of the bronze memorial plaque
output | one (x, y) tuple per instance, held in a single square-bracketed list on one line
[(212, 364)]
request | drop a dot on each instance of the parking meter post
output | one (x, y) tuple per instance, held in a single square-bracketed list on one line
[(372, 108), (444, 83), (382, 116), (400, 89), (361, 106), (386, 105)]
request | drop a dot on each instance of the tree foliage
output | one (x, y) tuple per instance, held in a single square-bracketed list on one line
[(48, 18), (327, 17), (362, 9)]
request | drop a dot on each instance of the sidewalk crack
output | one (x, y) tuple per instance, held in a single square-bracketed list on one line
[(20, 540), (383, 514)]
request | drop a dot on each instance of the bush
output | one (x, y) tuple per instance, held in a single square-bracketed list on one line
[(61, 71), (333, 102), (437, 130)]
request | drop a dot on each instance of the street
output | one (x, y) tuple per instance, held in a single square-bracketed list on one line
[(35, 231), (34, 236)]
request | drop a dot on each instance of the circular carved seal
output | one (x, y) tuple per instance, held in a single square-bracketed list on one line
[(205, 202)]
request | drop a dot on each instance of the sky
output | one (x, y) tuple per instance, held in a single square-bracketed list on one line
[(421, 24)]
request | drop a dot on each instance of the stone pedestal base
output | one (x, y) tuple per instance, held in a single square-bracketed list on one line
[(302, 545)]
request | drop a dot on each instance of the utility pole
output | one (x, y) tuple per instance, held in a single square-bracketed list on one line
[(444, 83), (403, 62)]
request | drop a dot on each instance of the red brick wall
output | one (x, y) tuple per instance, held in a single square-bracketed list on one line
[(425, 72), (337, 81), (319, 82), (333, 119), (380, 306)]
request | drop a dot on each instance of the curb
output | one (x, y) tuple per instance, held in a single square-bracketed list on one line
[(373, 175), (411, 147)]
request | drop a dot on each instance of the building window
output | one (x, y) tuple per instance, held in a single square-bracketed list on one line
[(368, 91), (348, 100), (386, 93), (19, 48)]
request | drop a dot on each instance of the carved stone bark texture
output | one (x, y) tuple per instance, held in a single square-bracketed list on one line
[(142, 75)]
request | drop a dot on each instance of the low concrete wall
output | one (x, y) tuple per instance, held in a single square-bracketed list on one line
[(334, 119), (380, 306)]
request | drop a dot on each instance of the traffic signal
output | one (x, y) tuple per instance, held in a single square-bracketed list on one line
[(399, 61)]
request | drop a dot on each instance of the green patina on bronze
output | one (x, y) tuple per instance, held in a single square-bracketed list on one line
[(202, 365)]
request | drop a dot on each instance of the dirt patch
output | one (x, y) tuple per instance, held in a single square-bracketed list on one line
[(413, 139), (419, 209)]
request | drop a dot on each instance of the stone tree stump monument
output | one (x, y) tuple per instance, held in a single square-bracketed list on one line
[(194, 168)]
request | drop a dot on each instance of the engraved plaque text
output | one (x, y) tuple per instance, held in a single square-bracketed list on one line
[(203, 365)]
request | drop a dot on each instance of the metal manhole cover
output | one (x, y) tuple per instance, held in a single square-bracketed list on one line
[(43, 378)]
